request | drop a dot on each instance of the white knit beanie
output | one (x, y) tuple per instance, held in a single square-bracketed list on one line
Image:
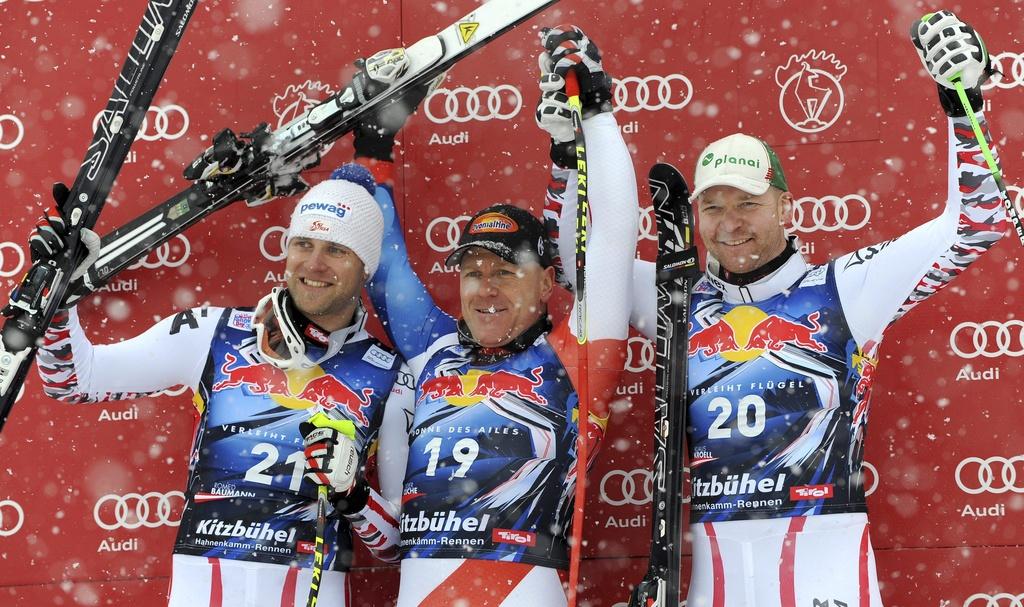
[(342, 210)]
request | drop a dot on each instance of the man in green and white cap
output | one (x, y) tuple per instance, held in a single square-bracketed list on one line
[(744, 203), (782, 355)]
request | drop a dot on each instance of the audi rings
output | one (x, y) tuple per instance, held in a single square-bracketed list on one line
[(639, 355), (134, 510), (831, 213), (274, 243), (7, 268), (648, 226), (483, 103), (12, 131), (165, 255), (443, 233), (994, 475), (12, 517), (635, 93), (627, 488), (168, 122), (1009, 71), (989, 339), (994, 600)]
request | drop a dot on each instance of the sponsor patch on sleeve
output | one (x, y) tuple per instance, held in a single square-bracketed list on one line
[(240, 320), (815, 277), (379, 357)]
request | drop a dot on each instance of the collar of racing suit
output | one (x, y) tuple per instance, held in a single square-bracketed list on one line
[(485, 356), (341, 336), (779, 280)]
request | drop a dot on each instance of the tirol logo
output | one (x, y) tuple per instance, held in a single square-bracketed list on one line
[(812, 97), (473, 387), (319, 226), (811, 492), (746, 332), (493, 222), (295, 389), (511, 536)]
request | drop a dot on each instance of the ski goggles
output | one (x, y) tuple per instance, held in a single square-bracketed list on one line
[(283, 332)]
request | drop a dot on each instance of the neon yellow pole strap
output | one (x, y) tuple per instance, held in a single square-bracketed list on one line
[(985, 151), (344, 426)]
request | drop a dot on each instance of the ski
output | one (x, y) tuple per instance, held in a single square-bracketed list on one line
[(296, 146), (677, 270), (37, 298)]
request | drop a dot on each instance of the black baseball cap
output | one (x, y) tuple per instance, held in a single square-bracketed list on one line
[(509, 232)]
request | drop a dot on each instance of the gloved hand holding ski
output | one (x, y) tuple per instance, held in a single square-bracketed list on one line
[(50, 236)]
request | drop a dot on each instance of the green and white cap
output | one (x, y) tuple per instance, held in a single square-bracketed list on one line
[(740, 161)]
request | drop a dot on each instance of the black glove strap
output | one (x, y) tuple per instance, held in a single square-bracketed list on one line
[(355, 500), (950, 101)]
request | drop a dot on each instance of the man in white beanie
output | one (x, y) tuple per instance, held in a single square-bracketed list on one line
[(247, 534)]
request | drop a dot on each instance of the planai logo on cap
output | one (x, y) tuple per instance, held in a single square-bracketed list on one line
[(493, 222), (727, 159)]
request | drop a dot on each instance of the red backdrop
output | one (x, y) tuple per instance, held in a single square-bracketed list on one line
[(947, 468)]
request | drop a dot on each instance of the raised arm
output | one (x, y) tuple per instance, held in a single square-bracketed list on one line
[(410, 317), (172, 352), (880, 283)]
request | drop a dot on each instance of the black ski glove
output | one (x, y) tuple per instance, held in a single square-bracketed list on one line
[(374, 135)]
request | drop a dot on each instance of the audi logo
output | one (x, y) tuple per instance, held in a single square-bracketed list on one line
[(633, 488), (831, 213), (12, 517), (989, 339), (1011, 71), (639, 355), (648, 226), (168, 122), (134, 510), (165, 255), (443, 233), (636, 93), (993, 475), (994, 600), (9, 267), (273, 243), (871, 480), (12, 131), (483, 103)]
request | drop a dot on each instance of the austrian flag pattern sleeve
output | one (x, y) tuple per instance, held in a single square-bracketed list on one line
[(880, 283)]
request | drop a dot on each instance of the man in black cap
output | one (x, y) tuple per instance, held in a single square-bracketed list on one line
[(488, 496)]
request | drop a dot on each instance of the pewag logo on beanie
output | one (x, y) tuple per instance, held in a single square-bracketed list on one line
[(493, 222), (339, 210), (727, 159)]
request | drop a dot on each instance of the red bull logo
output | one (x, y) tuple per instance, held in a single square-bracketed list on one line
[(300, 389), (865, 366), (746, 332), (469, 389)]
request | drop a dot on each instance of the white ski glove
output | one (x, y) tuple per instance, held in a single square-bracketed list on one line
[(332, 458), (553, 113), (950, 49)]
